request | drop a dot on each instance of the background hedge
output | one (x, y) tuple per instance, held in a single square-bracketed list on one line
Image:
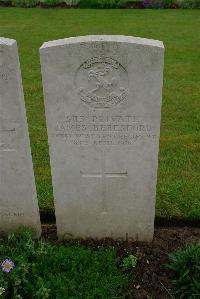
[(158, 4)]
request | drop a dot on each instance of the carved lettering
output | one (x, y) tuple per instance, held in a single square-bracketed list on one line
[(6, 73), (11, 214), (104, 129), (4, 76)]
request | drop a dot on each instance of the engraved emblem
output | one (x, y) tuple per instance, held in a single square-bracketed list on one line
[(102, 82)]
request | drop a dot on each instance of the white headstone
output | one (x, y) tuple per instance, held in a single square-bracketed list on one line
[(103, 101), (18, 201)]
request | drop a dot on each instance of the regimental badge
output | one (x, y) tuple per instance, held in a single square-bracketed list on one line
[(102, 82)]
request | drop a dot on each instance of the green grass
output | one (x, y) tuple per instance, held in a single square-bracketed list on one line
[(178, 189), (56, 272), (186, 265)]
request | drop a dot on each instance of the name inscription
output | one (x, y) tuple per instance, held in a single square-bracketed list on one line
[(104, 129)]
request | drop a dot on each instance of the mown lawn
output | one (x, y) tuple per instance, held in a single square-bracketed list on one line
[(178, 189)]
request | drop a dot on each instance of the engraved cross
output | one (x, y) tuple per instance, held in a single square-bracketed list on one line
[(103, 175)]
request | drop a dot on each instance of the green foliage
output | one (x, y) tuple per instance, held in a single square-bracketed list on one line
[(186, 264), (56, 272), (24, 3), (188, 3), (50, 3), (102, 3), (8, 2), (170, 3), (71, 2), (129, 262)]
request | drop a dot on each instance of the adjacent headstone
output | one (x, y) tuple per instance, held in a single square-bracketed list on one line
[(18, 201), (103, 101)]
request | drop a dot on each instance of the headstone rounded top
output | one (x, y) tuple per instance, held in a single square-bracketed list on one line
[(102, 102), (7, 41), (18, 199), (103, 38)]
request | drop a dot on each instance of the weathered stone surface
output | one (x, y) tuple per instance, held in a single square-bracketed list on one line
[(103, 100), (18, 201)]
